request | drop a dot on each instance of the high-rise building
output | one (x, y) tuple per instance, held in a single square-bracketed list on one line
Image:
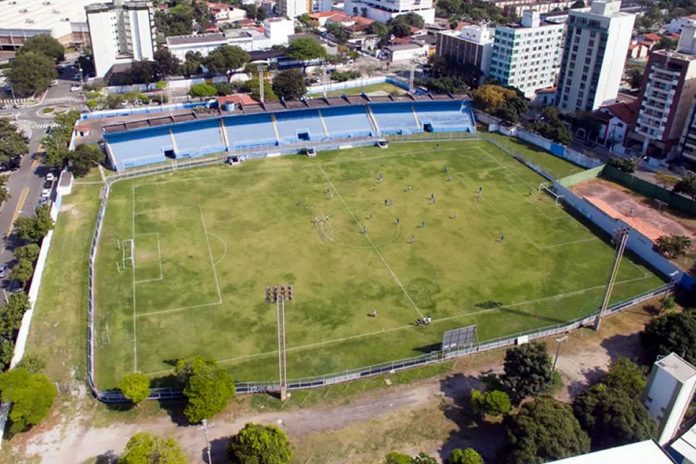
[(294, 8), (669, 87), (472, 45), (121, 32), (384, 10), (527, 56), (668, 393), (594, 55)]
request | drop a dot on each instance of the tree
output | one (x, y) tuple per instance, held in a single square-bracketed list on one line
[(379, 29), (673, 246), (84, 158), (306, 49), (135, 387), (494, 403), (527, 371), (33, 229), (11, 314), (146, 448), (578, 4), (670, 333), (167, 63), (22, 271), (611, 411), (177, 20), (490, 97), (226, 58), (202, 90), (45, 45), (192, 65), (13, 143), (252, 87), (338, 32), (544, 430), (464, 456), (260, 444), (31, 73), (29, 252), (208, 388), (395, 457), (144, 72), (512, 109), (622, 164), (635, 77), (31, 396), (289, 84), (687, 186)]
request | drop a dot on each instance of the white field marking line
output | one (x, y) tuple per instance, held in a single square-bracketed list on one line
[(224, 253), (159, 256), (210, 253), (366, 158), (176, 310), (403, 327), (367, 236), (526, 237), (135, 335)]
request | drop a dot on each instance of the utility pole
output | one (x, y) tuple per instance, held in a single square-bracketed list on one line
[(260, 68), (558, 350), (411, 77), (620, 240), (205, 427), (278, 294)]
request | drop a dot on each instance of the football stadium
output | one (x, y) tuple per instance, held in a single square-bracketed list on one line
[(385, 249)]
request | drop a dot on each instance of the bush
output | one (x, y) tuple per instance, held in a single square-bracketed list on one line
[(260, 444), (622, 164), (342, 76), (135, 387), (202, 90), (494, 403), (464, 456), (208, 388), (146, 448)]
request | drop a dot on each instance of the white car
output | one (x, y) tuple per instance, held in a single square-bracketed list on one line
[(50, 177), (75, 88)]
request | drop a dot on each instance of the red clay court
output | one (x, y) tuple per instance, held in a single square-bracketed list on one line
[(642, 213)]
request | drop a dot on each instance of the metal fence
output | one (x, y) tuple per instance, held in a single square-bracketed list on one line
[(115, 396)]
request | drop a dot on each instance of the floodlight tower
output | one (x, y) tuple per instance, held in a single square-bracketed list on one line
[(620, 239), (278, 294), (260, 68), (411, 77)]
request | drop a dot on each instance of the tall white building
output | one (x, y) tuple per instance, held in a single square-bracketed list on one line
[(527, 56), (121, 32), (668, 393), (384, 10), (472, 45), (294, 8), (594, 55)]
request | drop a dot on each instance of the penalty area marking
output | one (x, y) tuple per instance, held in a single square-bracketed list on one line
[(159, 257)]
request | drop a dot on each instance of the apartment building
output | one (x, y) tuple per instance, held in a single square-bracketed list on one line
[(527, 56), (594, 54), (384, 10), (121, 32), (471, 45)]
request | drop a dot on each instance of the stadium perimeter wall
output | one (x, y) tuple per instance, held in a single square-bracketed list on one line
[(115, 396)]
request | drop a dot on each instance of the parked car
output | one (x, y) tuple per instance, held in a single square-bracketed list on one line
[(50, 177), (75, 88), (4, 271)]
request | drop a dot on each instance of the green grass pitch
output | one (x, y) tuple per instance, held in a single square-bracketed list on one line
[(208, 241)]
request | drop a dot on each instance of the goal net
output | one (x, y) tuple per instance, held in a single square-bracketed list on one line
[(545, 188), (128, 254)]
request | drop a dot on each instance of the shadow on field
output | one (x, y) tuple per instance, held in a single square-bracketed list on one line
[(218, 451), (623, 346), (175, 409), (487, 437)]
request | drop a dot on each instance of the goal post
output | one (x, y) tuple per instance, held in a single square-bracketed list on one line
[(546, 189), (128, 254)]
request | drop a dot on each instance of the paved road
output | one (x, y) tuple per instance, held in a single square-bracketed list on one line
[(26, 183)]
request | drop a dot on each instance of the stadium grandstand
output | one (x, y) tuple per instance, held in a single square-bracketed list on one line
[(286, 127)]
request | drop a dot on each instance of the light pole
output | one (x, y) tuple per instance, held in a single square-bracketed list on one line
[(620, 239), (559, 340), (205, 427), (278, 294)]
